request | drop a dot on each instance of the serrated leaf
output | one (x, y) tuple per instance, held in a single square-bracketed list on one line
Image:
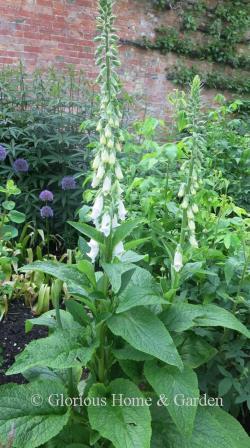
[(213, 428), (115, 271), (124, 426), (168, 381), (145, 332), (183, 316), (195, 351), (33, 425), (61, 350)]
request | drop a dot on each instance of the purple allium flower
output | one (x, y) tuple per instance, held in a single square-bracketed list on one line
[(46, 196), (46, 212), (3, 153), (68, 183), (21, 166)]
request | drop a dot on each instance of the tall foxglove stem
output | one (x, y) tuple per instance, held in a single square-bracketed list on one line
[(108, 208)]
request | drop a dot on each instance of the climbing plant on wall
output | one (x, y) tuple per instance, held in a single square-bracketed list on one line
[(222, 30)]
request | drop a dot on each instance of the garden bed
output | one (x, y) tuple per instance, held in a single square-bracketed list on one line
[(13, 338)]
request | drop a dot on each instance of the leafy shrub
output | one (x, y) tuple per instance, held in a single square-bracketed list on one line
[(40, 118), (131, 343)]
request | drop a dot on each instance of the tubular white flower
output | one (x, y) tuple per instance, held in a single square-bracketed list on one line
[(95, 182), (106, 224), (178, 261), (115, 222), (100, 172), (97, 207), (96, 162), (112, 158), (118, 250), (94, 250), (105, 156), (106, 185), (121, 211), (103, 140), (108, 133), (193, 241)]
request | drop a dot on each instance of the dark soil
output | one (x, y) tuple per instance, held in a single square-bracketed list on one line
[(13, 338)]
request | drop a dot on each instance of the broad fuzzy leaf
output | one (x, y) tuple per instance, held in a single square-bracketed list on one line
[(214, 428), (182, 316), (61, 350), (33, 424), (145, 332), (124, 426), (168, 381)]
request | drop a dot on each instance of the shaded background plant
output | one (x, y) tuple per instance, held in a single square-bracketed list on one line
[(40, 118)]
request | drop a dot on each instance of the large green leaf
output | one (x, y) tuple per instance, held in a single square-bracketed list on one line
[(145, 332), (16, 216), (61, 350), (134, 296), (88, 230), (168, 381), (182, 316), (195, 351), (124, 230), (213, 428), (66, 273), (115, 271), (26, 409), (8, 232), (48, 319), (124, 426)]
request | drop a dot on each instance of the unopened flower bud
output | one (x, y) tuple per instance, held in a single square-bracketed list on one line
[(195, 208), (181, 190), (191, 225), (184, 203), (190, 214), (118, 172), (193, 241)]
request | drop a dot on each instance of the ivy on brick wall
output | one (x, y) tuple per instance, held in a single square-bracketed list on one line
[(222, 28)]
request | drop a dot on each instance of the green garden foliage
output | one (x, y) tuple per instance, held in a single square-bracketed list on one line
[(151, 349), (40, 116), (223, 28)]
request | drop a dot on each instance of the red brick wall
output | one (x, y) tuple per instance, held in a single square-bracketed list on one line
[(57, 32)]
